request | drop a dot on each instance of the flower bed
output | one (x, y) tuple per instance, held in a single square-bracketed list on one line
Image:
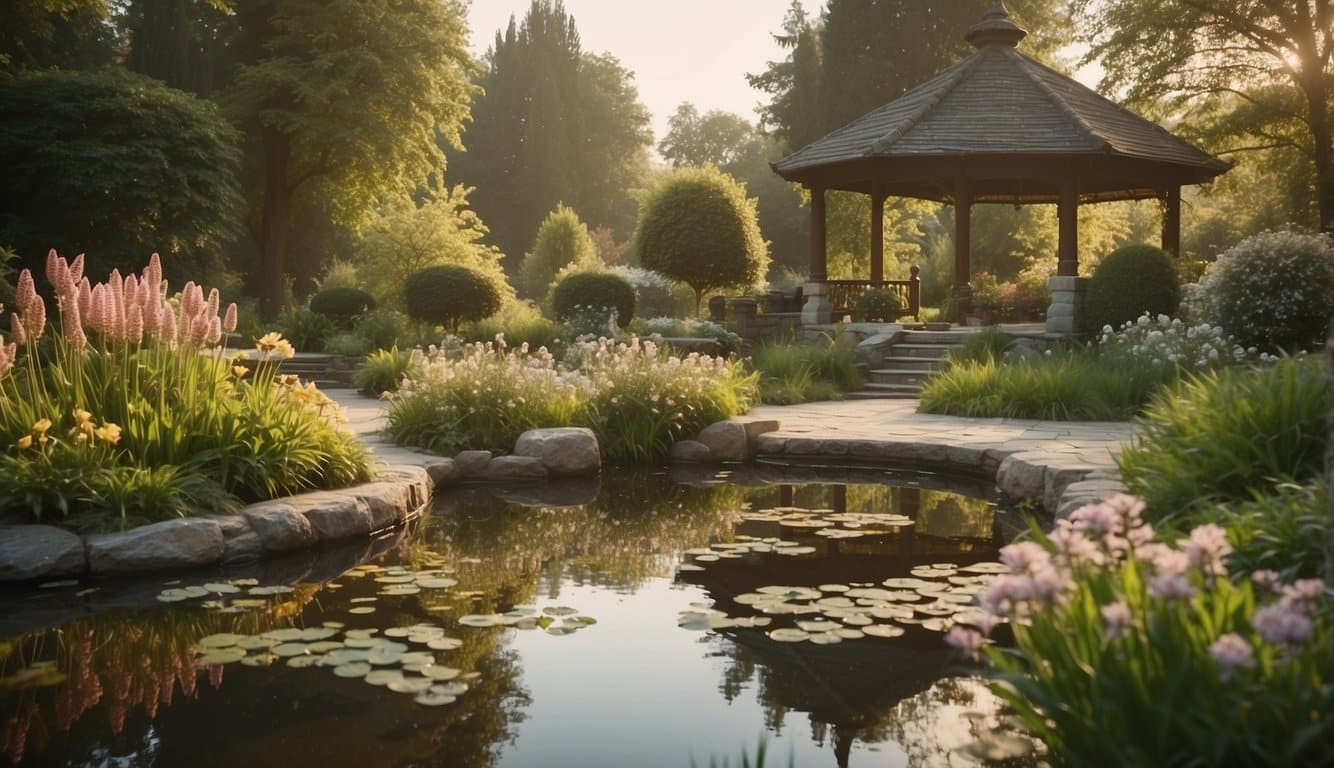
[(635, 397), (128, 409)]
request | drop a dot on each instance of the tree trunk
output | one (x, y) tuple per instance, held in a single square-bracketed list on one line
[(273, 226)]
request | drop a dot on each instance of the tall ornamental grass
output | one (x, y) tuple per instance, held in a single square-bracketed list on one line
[(1111, 381), (1224, 435), (1131, 650), (798, 373), (127, 409), (637, 398)]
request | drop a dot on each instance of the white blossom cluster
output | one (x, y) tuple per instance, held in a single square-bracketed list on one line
[(1166, 341)]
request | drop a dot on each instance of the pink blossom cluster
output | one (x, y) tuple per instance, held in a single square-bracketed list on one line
[(131, 308)]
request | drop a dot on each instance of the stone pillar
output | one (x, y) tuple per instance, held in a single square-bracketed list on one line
[(718, 309), (744, 310), (1065, 316), (816, 310)]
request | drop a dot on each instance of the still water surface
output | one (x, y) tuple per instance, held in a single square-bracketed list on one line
[(636, 658)]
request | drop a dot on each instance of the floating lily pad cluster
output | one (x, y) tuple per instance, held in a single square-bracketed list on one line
[(231, 596), (933, 597), (556, 620), (389, 660), (826, 523)]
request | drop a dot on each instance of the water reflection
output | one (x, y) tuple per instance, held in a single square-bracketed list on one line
[(125, 689)]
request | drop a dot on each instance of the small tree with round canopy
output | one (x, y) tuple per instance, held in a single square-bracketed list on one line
[(450, 294), (696, 225)]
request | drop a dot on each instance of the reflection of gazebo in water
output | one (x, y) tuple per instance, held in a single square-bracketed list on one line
[(997, 127)]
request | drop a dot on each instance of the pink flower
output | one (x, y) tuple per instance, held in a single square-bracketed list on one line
[(1117, 618), (967, 640), (1171, 586), (1282, 625), (16, 330), (1025, 557), (73, 326), (1303, 593), (1267, 580), (1231, 652), (1206, 548), (229, 320), (1074, 547)]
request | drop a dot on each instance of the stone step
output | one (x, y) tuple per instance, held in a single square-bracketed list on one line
[(934, 337), (873, 392), (936, 351), (910, 378), (915, 364)]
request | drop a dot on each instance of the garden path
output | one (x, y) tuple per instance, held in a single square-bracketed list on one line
[(1090, 444)]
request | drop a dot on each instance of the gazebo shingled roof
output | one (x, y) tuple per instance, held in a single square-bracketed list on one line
[(998, 127)]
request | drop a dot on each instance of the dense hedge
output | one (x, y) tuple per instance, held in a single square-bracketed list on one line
[(449, 295)]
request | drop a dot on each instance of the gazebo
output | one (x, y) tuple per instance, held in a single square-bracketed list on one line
[(997, 127)]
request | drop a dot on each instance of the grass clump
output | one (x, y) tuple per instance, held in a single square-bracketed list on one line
[(798, 373), (1221, 436)]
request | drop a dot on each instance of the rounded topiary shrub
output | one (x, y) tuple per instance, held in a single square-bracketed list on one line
[(1272, 291), (1130, 281), (697, 226), (342, 304), (596, 290), (449, 295), (879, 306)]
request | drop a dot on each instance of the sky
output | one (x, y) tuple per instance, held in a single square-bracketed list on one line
[(675, 54)]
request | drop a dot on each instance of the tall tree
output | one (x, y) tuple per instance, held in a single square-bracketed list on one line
[(347, 98), (70, 34), (553, 123), (1252, 74), (176, 41), (873, 51), (716, 137)]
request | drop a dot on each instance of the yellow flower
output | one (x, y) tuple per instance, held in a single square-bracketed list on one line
[(81, 416), (109, 432), (284, 349), (240, 371), (25, 442), (41, 426), (81, 438)]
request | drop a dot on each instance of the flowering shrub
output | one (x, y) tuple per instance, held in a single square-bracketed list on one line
[(636, 398), (1273, 290), (1133, 651), (689, 328), (134, 412), (655, 293), (1170, 344)]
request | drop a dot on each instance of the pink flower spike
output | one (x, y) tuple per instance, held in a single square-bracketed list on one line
[(76, 269), (169, 330), (229, 319), (85, 298), (53, 265), (214, 301), (73, 326), (214, 330), (134, 324), (16, 331), (1117, 617)]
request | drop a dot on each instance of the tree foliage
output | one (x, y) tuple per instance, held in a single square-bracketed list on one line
[(697, 226), (180, 42), (449, 294), (595, 290), (118, 166), (1240, 74), (553, 123), (348, 98), (562, 241), (71, 34), (405, 237)]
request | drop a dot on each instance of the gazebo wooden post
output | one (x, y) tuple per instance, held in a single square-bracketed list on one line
[(963, 241), (819, 268), (877, 234), (1067, 211), (1065, 316), (1172, 221), (816, 309)]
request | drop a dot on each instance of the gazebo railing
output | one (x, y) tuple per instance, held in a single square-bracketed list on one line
[(843, 294)]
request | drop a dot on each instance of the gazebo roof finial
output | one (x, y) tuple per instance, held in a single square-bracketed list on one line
[(995, 28)]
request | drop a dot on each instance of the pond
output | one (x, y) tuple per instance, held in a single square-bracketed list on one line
[(647, 619)]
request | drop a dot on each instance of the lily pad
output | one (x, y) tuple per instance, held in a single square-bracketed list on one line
[(430, 699), (883, 630), (789, 635), (352, 669)]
